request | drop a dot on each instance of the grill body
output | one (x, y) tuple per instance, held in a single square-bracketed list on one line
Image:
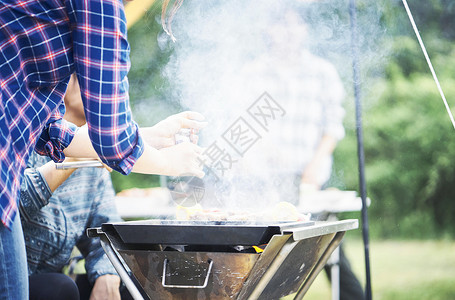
[(293, 256)]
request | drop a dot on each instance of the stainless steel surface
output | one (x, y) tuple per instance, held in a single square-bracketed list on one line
[(289, 264), (112, 255), (163, 281), (198, 232), (291, 268), (229, 272), (321, 228), (334, 263), (270, 252), (79, 164), (319, 265)]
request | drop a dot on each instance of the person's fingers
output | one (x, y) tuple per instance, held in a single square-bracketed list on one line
[(196, 167), (192, 115), (107, 168), (166, 142), (198, 173), (199, 150), (191, 119), (194, 138), (193, 124)]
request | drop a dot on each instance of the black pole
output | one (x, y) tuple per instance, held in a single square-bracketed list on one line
[(360, 152)]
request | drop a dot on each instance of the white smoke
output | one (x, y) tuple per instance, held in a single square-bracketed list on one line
[(217, 38)]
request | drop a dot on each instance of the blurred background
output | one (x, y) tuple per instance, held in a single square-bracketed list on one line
[(409, 140)]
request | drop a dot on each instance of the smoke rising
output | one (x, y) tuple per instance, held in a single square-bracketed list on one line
[(213, 69)]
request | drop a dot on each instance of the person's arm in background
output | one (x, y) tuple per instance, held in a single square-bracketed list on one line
[(333, 129), (54, 177), (38, 185), (325, 149), (99, 269)]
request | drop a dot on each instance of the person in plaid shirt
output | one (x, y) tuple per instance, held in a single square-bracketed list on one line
[(56, 207), (41, 44)]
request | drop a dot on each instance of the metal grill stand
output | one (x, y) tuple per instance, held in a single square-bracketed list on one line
[(289, 264)]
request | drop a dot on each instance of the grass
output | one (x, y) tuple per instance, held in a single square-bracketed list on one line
[(400, 270), (411, 270)]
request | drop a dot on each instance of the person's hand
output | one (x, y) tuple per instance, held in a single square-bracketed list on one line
[(106, 287), (182, 160), (163, 134), (109, 169)]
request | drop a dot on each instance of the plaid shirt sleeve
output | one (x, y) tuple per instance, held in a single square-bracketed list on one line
[(101, 56), (56, 136)]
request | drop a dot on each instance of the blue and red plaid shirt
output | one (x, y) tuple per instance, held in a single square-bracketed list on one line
[(41, 44)]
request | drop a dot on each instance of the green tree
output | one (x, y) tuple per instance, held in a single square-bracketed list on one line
[(409, 140)]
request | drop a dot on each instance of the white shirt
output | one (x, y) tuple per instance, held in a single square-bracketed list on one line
[(311, 93)]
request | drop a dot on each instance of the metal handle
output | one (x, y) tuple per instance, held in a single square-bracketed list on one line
[(163, 281), (120, 268), (78, 164)]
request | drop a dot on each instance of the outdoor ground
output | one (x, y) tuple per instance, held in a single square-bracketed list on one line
[(411, 270), (401, 270)]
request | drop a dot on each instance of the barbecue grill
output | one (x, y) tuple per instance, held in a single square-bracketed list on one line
[(170, 259)]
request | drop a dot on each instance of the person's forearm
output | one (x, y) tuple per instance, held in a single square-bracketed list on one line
[(172, 161), (54, 177), (312, 170), (150, 162), (81, 146), (325, 148)]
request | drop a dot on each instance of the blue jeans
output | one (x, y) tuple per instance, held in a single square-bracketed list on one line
[(13, 263)]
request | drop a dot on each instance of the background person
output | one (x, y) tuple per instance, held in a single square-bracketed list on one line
[(56, 208), (295, 155)]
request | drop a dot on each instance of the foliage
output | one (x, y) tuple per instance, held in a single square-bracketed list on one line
[(409, 140)]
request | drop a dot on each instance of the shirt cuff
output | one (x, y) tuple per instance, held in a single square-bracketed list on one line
[(37, 188), (102, 267), (125, 165), (56, 136)]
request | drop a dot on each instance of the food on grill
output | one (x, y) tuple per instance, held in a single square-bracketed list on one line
[(282, 211)]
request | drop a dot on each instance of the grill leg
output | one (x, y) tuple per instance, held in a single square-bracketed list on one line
[(110, 252), (318, 267), (335, 273)]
